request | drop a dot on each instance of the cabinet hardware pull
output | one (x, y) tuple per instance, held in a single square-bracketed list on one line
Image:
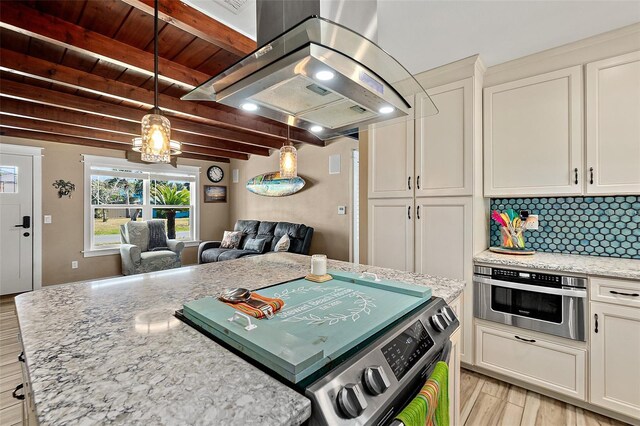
[(591, 179), (596, 318), (409, 212), (418, 212), (15, 392), (21, 357), (624, 294), (576, 172), (409, 182), (418, 183), (525, 340)]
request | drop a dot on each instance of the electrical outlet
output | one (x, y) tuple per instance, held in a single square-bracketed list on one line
[(74, 264), (47, 218), (342, 210), (532, 222)]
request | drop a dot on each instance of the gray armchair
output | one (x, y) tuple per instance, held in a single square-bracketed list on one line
[(136, 255)]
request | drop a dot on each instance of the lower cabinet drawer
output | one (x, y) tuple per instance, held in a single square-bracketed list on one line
[(619, 292), (544, 363)]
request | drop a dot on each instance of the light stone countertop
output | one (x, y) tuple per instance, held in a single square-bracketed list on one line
[(110, 351), (577, 264)]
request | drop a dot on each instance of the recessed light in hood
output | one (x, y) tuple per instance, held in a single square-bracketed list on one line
[(318, 73)]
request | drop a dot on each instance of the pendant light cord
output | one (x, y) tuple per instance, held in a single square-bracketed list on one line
[(155, 55)]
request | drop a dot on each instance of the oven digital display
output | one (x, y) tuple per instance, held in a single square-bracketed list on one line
[(404, 351)]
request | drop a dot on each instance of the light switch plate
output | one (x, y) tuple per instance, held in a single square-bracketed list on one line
[(532, 222), (342, 210), (47, 218), (74, 264)]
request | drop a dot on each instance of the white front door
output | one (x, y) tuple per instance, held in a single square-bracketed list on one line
[(16, 209)]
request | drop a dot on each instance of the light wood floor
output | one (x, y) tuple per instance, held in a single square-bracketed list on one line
[(484, 401)]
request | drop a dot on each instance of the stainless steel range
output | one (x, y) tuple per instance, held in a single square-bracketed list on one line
[(361, 370)]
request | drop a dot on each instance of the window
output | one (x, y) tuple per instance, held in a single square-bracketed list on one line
[(117, 192), (8, 179)]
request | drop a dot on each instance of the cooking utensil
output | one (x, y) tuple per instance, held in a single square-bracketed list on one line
[(242, 295)]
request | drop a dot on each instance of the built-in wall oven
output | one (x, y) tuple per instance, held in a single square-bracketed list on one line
[(548, 303)]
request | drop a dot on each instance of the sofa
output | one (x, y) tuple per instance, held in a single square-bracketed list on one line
[(299, 236), (138, 257)]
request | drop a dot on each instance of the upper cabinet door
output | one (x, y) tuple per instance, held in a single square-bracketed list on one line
[(391, 233), (444, 150), (533, 135), (613, 125), (391, 159)]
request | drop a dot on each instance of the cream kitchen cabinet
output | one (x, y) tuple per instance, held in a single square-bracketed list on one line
[(390, 159), (444, 142), (613, 125), (533, 142), (390, 229), (615, 358)]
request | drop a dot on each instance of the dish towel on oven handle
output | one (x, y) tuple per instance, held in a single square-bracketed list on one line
[(431, 406), (275, 303)]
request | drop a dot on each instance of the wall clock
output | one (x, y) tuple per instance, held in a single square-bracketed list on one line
[(215, 174)]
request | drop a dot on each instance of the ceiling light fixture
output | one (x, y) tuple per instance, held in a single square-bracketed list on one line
[(175, 147), (324, 75), (316, 129), (249, 106), (386, 110), (155, 143), (288, 159)]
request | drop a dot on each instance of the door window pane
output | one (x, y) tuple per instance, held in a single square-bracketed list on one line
[(116, 190), (181, 222), (8, 179), (106, 224)]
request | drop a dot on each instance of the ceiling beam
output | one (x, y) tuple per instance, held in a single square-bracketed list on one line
[(14, 122), (36, 111), (198, 24), (29, 66), (272, 136), (50, 137)]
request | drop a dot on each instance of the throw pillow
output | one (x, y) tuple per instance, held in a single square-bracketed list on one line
[(255, 244), (231, 239), (283, 244), (157, 235), (138, 235)]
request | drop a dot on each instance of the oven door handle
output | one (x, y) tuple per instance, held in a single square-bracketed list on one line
[(578, 292)]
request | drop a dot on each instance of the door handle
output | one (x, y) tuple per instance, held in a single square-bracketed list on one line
[(596, 318), (418, 212), (525, 340), (26, 222), (624, 294), (591, 179), (576, 172), (409, 212), (409, 182), (418, 184)]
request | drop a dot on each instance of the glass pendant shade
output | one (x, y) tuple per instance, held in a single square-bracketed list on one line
[(156, 138), (176, 147), (288, 162)]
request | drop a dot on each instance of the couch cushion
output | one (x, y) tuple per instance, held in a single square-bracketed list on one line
[(138, 234), (296, 233), (249, 229), (149, 256), (212, 254), (235, 254), (255, 244), (231, 239)]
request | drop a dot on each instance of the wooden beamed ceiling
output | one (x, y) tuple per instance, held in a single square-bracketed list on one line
[(80, 72)]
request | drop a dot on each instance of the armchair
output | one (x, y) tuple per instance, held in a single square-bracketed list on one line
[(136, 255)]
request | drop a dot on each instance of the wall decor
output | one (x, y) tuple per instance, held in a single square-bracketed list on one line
[(272, 185), (596, 226), (65, 188), (215, 194)]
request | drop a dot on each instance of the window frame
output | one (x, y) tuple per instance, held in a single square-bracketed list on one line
[(146, 172)]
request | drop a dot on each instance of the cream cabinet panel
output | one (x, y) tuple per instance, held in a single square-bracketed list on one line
[(615, 358), (443, 229), (613, 125), (533, 142), (526, 357), (455, 378), (611, 290), (391, 233), (391, 159), (444, 142)]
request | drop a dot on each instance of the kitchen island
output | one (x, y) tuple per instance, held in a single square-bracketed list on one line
[(111, 351)]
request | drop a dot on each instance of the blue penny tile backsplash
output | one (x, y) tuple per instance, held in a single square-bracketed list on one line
[(596, 226)]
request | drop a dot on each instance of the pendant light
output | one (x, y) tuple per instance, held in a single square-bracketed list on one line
[(288, 159), (155, 144)]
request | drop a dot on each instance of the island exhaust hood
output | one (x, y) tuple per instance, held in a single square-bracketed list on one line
[(318, 76)]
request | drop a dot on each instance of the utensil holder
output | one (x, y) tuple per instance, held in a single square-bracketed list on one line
[(512, 239)]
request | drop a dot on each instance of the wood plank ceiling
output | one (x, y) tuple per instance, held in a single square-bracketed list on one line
[(81, 72)]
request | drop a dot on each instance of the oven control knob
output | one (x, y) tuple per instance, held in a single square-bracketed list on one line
[(438, 322), (375, 380), (449, 315), (351, 400)]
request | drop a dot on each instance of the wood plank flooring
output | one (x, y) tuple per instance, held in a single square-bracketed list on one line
[(10, 373), (484, 401)]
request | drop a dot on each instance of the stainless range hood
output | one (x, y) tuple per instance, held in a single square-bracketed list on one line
[(318, 76)]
